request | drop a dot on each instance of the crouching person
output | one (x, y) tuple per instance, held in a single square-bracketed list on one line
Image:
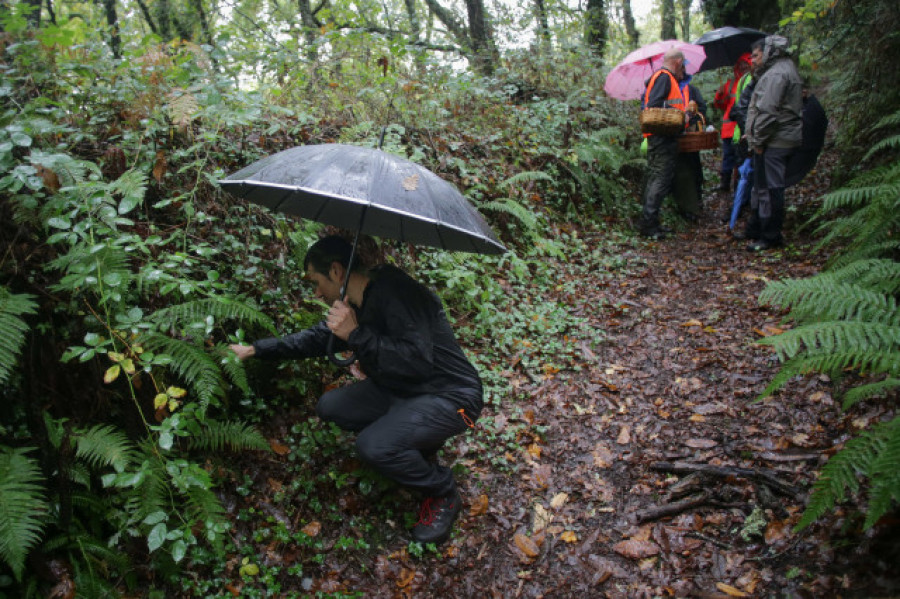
[(419, 389)]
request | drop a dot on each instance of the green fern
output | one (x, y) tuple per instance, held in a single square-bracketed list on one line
[(825, 297), (233, 435), (874, 454), (24, 511), (220, 308), (12, 328), (509, 206), (196, 367), (525, 177), (104, 445)]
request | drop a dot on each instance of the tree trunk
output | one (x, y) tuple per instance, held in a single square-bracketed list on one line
[(596, 27), (543, 25), (205, 32), (685, 6), (667, 31), (482, 41), (308, 20), (112, 19), (634, 36), (34, 16)]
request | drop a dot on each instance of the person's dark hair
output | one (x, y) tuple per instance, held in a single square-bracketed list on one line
[(759, 44), (327, 250)]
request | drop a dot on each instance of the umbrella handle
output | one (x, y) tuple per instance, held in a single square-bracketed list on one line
[(333, 357)]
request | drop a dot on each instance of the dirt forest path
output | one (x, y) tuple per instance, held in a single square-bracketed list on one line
[(648, 471), (605, 502)]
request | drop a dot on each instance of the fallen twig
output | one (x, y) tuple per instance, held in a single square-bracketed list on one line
[(757, 474)]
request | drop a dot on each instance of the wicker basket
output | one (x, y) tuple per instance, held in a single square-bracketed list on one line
[(694, 141), (662, 121)]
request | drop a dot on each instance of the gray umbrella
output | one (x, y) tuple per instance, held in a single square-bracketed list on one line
[(725, 45), (368, 191)]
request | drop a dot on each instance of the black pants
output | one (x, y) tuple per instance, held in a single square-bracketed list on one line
[(396, 433), (662, 153), (767, 198)]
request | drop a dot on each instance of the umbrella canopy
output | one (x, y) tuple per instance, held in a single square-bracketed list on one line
[(368, 191), (725, 45), (628, 80)]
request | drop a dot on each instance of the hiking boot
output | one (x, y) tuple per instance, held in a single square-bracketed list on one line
[(762, 245), (436, 518)]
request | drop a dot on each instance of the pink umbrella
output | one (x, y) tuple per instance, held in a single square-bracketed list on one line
[(628, 80)]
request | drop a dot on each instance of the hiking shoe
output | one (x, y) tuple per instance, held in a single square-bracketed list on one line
[(436, 518), (762, 245)]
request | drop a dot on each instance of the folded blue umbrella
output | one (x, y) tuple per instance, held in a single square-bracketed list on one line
[(742, 192)]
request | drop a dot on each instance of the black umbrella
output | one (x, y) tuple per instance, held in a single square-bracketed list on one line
[(725, 45), (368, 191)]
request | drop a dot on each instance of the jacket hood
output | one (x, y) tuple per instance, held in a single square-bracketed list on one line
[(743, 59), (775, 47)]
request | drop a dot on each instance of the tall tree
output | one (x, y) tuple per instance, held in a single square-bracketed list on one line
[(112, 19), (596, 26), (543, 24), (759, 14), (667, 30), (684, 7), (476, 41), (634, 36)]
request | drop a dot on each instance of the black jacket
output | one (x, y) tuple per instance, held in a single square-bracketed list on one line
[(739, 110), (404, 342)]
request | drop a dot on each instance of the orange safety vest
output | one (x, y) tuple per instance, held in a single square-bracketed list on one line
[(675, 100)]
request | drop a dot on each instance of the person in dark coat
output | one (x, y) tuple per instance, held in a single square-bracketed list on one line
[(418, 390), (815, 124)]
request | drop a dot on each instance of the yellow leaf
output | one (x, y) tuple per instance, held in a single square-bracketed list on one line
[(542, 518), (112, 373), (730, 590), (160, 400), (173, 404), (692, 323), (569, 537), (128, 366), (698, 418), (176, 392), (535, 450), (115, 356), (249, 570)]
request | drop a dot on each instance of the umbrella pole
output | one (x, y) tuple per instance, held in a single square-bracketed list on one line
[(329, 347)]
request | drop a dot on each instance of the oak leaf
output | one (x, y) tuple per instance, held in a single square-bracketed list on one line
[(479, 506), (526, 545), (730, 590), (635, 549)]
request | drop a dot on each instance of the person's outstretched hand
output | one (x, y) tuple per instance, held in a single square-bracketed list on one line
[(243, 351)]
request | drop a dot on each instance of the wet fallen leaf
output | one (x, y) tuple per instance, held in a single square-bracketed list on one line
[(559, 500), (624, 437), (406, 577), (635, 549), (692, 323), (279, 448), (730, 590), (698, 418), (534, 450), (542, 518), (526, 545), (569, 537), (700, 443), (603, 457), (479, 506), (312, 529)]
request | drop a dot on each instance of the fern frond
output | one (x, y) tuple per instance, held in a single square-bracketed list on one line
[(889, 144), (834, 363), (24, 511), (234, 435), (875, 274), (825, 297), (868, 391), (220, 308), (509, 206), (12, 328), (233, 368), (858, 458), (525, 177), (104, 445), (196, 367), (884, 474), (865, 339)]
